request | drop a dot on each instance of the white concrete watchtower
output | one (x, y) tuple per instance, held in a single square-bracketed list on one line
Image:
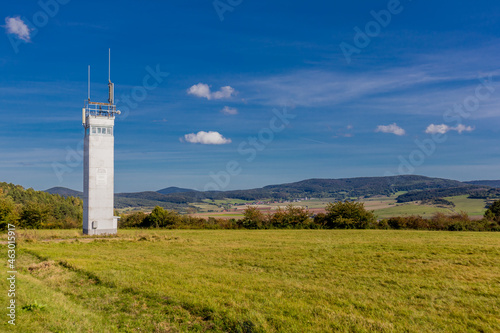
[(98, 167)]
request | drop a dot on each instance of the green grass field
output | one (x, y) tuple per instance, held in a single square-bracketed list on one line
[(473, 207), (411, 209), (259, 281)]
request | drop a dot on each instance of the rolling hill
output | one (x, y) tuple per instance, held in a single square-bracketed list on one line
[(65, 192), (173, 189), (490, 183), (340, 189)]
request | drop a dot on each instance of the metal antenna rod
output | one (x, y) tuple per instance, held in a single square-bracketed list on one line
[(88, 92), (109, 65), (111, 86)]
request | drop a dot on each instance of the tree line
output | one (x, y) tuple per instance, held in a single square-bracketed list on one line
[(338, 215), (27, 208)]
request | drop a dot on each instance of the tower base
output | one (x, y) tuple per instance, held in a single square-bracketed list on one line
[(100, 231)]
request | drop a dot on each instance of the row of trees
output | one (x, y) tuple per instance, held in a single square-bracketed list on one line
[(339, 215), (36, 209)]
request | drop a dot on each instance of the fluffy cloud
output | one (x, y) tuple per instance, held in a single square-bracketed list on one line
[(393, 128), (462, 128), (224, 92), (200, 90), (207, 138), (203, 90), (442, 129), (229, 111), (16, 26)]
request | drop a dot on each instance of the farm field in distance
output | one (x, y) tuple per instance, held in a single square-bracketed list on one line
[(383, 206), (259, 281)]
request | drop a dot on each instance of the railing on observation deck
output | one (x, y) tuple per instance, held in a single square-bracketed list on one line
[(100, 109)]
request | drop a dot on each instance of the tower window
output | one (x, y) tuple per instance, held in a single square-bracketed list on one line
[(102, 130)]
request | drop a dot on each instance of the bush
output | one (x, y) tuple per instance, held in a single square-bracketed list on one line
[(161, 218), (290, 218), (397, 222), (133, 220)]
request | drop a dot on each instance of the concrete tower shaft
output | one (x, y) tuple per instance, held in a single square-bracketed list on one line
[(98, 165), (98, 201)]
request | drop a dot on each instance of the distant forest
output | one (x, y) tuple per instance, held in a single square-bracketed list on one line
[(32, 209)]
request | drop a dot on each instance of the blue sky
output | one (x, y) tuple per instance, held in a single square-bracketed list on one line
[(413, 92)]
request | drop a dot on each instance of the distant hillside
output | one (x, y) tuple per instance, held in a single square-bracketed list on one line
[(65, 192), (490, 183), (137, 199), (337, 189), (173, 189), (151, 199), (365, 186), (344, 188), (474, 191)]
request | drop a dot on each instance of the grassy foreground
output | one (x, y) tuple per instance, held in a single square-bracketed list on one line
[(260, 281)]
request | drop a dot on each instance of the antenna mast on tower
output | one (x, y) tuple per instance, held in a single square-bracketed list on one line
[(88, 93), (111, 86)]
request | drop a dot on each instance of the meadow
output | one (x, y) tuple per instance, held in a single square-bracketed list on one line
[(258, 281)]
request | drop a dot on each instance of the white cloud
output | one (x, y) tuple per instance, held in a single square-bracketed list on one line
[(224, 92), (393, 128), (200, 90), (207, 138), (442, 129), (462, 128), (434, 129), (203, 90), (229, 111), (16, 26)]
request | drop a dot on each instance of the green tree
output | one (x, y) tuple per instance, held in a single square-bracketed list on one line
[(253, 218), (348, 215), (8, 212), (493, 212), (34, 215)]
